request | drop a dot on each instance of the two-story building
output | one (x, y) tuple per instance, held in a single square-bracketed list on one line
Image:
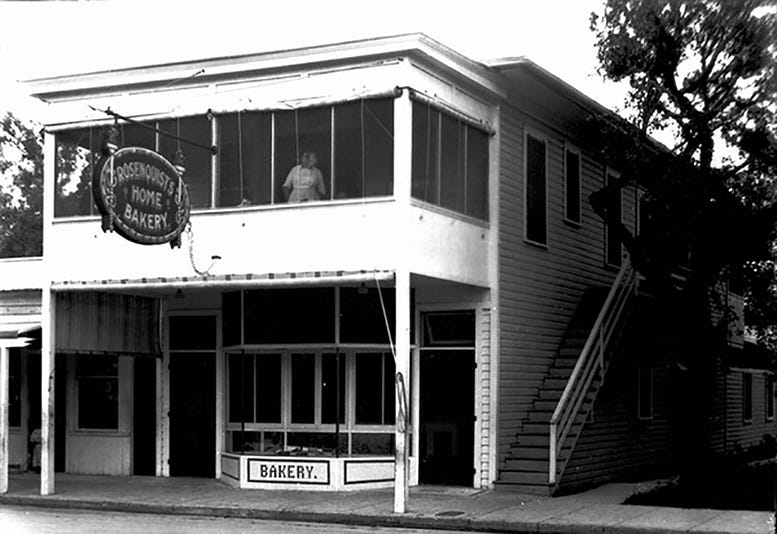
[(432, 280)]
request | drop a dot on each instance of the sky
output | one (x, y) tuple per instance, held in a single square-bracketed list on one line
[(41, 39)]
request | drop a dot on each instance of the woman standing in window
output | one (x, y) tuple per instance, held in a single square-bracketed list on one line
[(305, 181)]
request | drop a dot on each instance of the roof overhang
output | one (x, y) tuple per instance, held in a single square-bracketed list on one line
[(199, 72)]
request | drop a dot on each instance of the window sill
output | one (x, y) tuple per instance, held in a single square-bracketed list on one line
[(573, 224), (88, 432), (535, 244), (251, 208), (448, 212)]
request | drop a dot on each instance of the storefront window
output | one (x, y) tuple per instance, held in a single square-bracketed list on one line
[(374, 389), (97, 384), (270, 410), (449, 162), (303, 388)]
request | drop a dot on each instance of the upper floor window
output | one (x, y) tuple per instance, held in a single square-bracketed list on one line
[(747, 397), (612, 242), (572, 186), (769, 396), (349, 147), (536, 190), (450, 162)]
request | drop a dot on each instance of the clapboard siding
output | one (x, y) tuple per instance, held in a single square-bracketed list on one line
[(730, 431), (540, 287), (615, 443)]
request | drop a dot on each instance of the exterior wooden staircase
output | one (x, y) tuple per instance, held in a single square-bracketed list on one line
[(547, 436)]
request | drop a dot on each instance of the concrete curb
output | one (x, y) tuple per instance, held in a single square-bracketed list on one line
[(351, 519), (409, 520)]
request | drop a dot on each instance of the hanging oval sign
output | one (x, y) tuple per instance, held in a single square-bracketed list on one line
[(142, 196)]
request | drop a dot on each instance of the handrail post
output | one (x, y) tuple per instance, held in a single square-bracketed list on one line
[(552, 454)]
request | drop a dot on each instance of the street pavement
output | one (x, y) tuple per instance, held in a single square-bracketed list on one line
[(429, 507), (17, 520)]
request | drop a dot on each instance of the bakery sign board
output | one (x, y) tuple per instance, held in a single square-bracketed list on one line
[(142, 196)]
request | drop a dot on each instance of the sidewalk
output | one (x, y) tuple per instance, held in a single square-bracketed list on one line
[(465, 509)]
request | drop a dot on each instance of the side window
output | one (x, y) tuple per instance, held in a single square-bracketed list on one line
[(536, 194), (644, 392), (769, 397), (747, 397), (572, 185), (612, 243)]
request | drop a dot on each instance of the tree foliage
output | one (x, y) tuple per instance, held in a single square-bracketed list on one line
[(21, 204), (707, 71)]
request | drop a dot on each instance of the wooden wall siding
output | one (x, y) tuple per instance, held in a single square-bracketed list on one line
[(615, 443), (482, 442), (540, 286), (729, 431)]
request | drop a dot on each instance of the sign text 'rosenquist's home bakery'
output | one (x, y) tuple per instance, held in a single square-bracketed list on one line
[(141, 196)]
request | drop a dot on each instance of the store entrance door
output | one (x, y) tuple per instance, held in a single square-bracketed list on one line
[(447, 416), (193, 414)]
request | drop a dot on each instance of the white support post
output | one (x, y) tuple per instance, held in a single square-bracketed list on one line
[(4, 426), (402, 400), (403, 166), (48, 322), (47, 373)]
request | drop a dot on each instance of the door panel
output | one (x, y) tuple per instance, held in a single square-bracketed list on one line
[(192, 414), (447, 417)]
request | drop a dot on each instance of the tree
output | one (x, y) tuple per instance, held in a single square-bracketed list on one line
[(704, 70), (21, 206)]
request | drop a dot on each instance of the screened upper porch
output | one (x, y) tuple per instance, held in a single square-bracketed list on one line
[(260, 157)]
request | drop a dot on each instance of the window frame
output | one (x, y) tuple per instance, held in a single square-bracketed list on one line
[(616, 175), (747, 397), (286, 427), (769, 396), (644, 370), (529, 132), (569, 148), (77, 376)]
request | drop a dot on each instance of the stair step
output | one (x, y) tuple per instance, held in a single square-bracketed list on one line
[(554, 383), (528, 453), (536, 465), (530, 489), (550, 394), (523, 477), (533, 440), (560, 372)]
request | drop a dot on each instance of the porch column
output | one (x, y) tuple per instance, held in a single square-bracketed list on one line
[(48, 322), (47, 353), (4, 427), (403, 168), (402, 404)]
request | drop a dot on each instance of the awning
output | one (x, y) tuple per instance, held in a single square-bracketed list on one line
[(12, 330), (226, 281)]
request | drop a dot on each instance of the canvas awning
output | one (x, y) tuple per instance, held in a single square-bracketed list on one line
[(225, 281), (12, 330)]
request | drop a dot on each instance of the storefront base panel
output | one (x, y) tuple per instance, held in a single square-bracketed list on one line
[(250, 471)]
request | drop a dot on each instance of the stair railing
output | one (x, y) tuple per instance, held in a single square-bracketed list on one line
[(590, 363)]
